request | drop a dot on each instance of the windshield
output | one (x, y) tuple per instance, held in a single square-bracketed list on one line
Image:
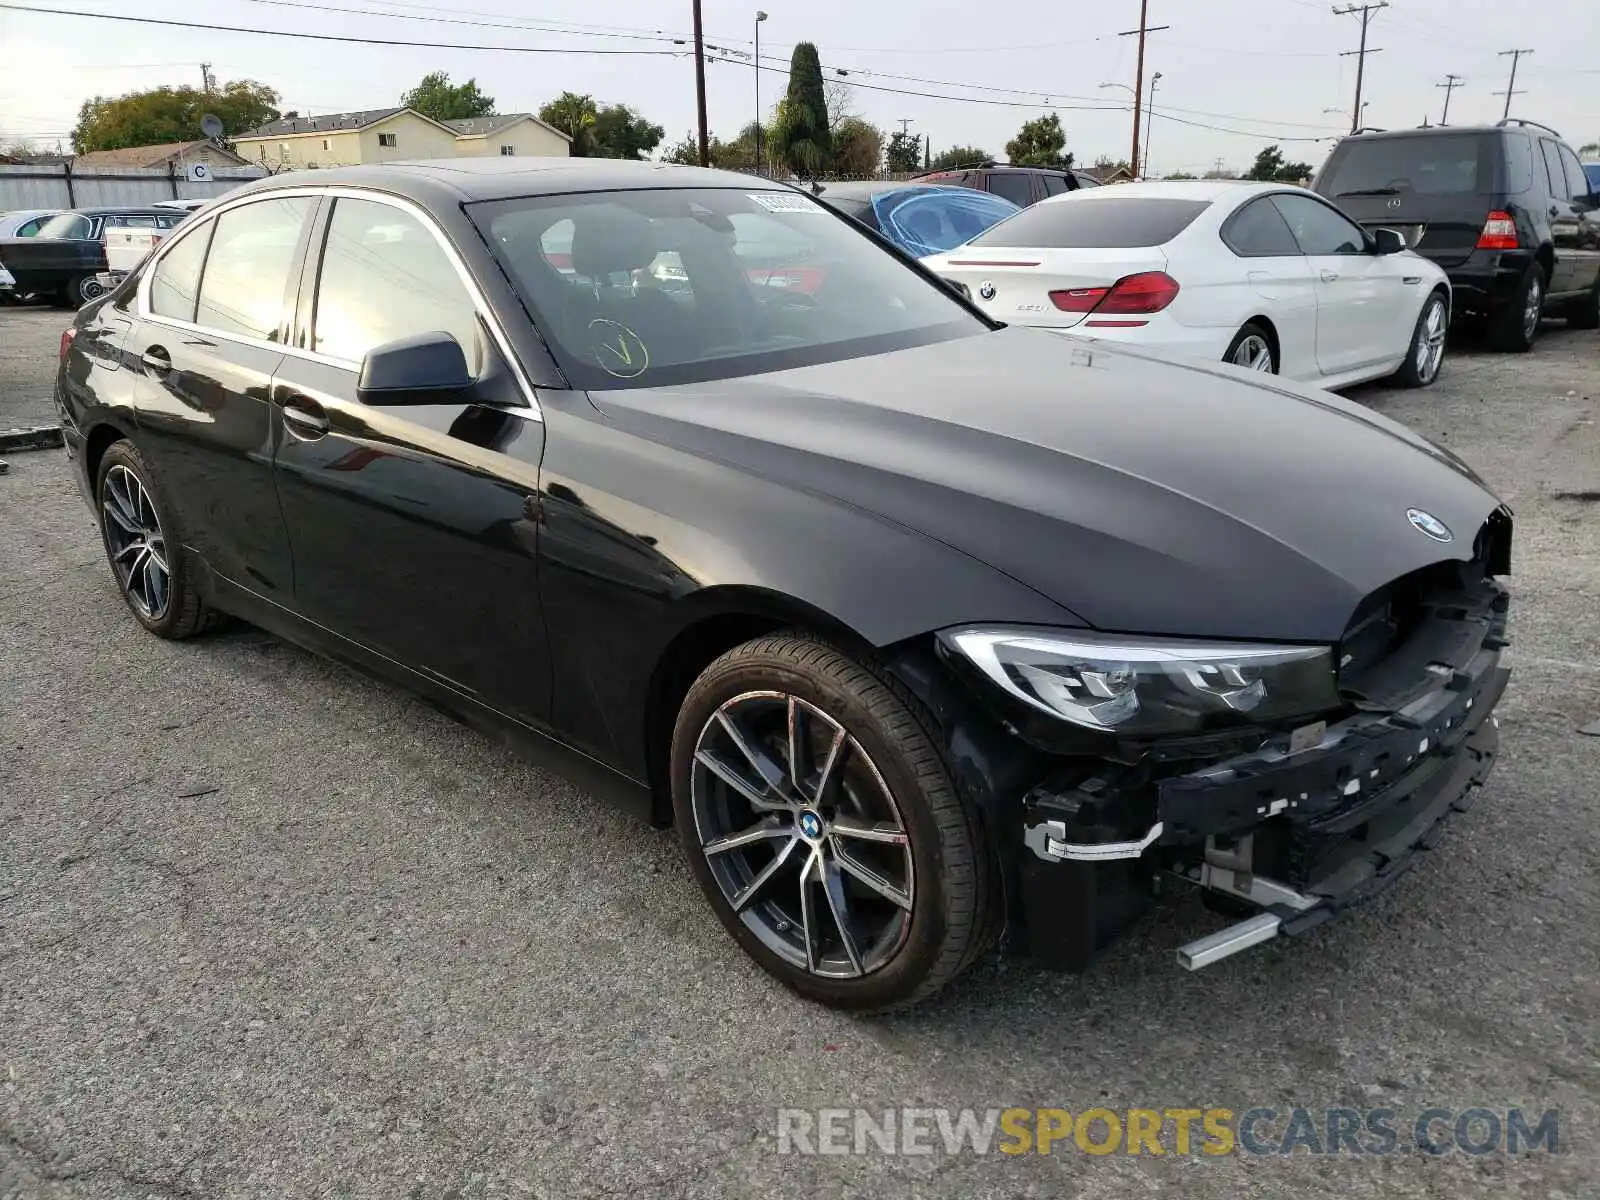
[(930, 220), (67, 225), (651, 288), (1425, 165)]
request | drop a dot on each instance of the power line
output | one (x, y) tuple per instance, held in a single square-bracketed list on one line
[(1366, 11), (1511, 88), (332, 37), (1450, 84)]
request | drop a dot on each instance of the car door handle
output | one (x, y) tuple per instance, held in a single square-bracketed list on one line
[(156, 360), (304, 418), (1330, 276), (1555, 210)]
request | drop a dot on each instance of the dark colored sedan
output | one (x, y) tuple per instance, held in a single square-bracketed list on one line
[(920, 629), (920, 218)]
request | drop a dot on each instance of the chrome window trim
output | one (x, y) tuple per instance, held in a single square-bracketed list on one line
[(474, 293)]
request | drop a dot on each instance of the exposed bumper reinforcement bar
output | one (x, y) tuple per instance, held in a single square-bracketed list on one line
[(1049, 841)]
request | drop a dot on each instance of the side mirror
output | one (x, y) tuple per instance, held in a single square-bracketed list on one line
[(1387, 241), (428, 368)]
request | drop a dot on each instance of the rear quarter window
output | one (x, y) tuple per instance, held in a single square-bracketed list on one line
[(1101, 222)]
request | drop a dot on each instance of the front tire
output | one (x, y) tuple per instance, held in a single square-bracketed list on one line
[(1515, 327), (1425, 355), (823, 825), (143, 549), (1251, 349)]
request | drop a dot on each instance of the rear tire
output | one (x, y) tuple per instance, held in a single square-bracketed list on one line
[(1585, 313), (1515, 326), (79, 290), (1425, 354), (1252, 349), (145, 550), (884, 798)]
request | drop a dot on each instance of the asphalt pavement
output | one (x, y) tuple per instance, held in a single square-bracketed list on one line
[(269, 929)]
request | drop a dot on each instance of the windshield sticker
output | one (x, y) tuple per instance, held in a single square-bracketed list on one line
[(785, 202), (619, 351)]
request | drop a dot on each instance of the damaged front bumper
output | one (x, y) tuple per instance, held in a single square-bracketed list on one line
[(1292, 832)]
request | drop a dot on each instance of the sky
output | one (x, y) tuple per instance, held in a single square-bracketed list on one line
[(1236, 75)]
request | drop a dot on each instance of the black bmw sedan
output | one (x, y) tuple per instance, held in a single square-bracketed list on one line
[(922, 631)]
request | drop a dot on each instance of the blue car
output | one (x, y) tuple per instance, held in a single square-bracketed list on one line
[(920, 218)]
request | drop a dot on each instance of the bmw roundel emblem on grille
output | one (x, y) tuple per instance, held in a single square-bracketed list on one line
[(986, 290), (1429, 525)]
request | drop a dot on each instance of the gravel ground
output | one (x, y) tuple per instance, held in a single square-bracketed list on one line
[(268, 929)]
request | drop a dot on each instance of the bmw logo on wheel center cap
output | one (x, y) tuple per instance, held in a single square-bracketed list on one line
[(810, 825), (1429, 525)]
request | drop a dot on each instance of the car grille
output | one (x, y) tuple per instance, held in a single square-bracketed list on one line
[(1411, 635)]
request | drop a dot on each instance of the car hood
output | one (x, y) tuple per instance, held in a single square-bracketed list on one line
[(1143, 495)]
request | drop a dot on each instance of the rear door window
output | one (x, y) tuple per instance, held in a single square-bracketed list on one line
[(1099, 222), (247, 272), (1424, 165), (1054, 185), (68, 225), (1577, 183), (1555, 178), (1015, 186)]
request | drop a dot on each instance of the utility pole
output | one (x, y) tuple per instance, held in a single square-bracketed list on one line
[(1511, 88), (1366, 11), (905, 125), (205, 78), (700, 84), (1450, 84), (1138, 80)]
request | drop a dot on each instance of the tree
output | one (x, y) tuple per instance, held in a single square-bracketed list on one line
[(1270, 167), (619, 132), (1221, 173), (857, 147), (1039, 143), (730, 156), (575, 116), (801, 139), (1591, 148), (958, 156), (1177, 175), (904, 155), (841, 101), (170, 114), (435, 97)]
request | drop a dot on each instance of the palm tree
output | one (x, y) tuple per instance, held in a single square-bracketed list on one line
[(573, 115)]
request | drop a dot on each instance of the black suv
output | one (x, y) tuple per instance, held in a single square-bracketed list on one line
[(1020, 185), (1505, 209)]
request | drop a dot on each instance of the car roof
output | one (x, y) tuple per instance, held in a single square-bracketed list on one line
[(104, 210), (1209, 190), (503, 177)]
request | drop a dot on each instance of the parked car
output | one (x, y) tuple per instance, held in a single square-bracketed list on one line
[(919, 628), (1505, 209), (184, 205), (72, 250), (1592, 170), (1020, 185), (1268, 277), (24, 222), (921, 219)]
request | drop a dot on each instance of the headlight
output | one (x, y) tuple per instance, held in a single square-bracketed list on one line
[(1149, 686)]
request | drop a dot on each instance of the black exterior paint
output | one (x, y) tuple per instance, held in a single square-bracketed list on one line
[(537, 572)]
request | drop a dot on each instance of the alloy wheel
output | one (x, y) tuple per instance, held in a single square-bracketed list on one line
[(89, 288), (1254, 354), (136, 542), (1534, 307), (1430, 342), (802, 835)]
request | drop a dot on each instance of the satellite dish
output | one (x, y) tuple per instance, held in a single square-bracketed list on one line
[(211, 125)]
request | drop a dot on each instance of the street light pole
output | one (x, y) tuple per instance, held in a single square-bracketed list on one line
[(1149, 120), (760, 17)]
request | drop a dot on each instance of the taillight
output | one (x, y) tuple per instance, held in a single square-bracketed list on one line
[(1499, 232), (67, 336), (1132, 295)]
